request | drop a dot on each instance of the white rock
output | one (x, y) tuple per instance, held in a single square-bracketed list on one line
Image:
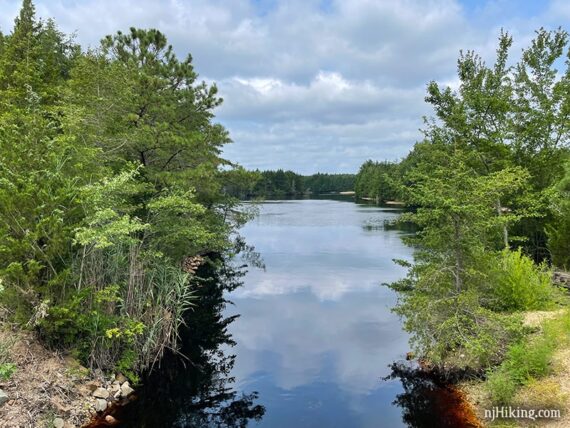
[(100, 405), (126, 389), (101, 393), (3, 397), (58, 423)]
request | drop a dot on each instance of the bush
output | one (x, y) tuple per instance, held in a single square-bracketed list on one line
[(516, 283), (501, 386)]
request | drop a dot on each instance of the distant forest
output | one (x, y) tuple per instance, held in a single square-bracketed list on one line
[(282, 183)]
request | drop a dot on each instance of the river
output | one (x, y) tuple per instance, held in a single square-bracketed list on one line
[(316, 334)]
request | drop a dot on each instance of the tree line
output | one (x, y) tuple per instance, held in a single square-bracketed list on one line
[(280, 183), (111, 190)]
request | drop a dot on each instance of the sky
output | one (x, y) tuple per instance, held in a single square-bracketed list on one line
[(315, 85)]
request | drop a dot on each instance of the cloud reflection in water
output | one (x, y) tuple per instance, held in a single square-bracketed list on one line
[(316, 333)]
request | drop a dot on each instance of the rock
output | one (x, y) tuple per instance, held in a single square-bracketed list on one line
[(126, 389), (117, 394), (58, 423), (561, 278), (100, 405), (101, 393), (120, 378), (3, 398), (110, 420)]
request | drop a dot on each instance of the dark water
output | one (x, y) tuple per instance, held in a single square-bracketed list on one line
[(307, 342), (316, 334)]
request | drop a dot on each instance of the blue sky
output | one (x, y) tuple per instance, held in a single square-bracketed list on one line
[(315, 85)]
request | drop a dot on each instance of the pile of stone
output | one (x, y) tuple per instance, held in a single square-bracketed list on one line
[(105, 392)]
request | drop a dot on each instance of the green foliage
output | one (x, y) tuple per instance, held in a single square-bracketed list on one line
[(111, 177), (516, 283), (7, 370), (328, 183), (449, 326), (378, 181), (126, 363), (288, 183), (480, 182), (40, 167), (501, 386), (558, 230)]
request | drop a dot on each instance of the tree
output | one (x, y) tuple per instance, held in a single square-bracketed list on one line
[(541, 127), (512, 116), (442, 298), (40, 167), (377, 180), (34, 60), (112, 190), (469, 189), (19, 65), (558, 230)]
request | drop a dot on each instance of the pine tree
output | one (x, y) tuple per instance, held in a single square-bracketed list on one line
[(19, 66), (41, 167)]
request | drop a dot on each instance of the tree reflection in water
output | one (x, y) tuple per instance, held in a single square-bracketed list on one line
[(430, 398), (197, 391)]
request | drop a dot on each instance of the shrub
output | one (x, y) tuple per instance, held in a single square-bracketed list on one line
[(516, 283), (501, 386)]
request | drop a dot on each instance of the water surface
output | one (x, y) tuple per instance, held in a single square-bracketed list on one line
[(316, 335)]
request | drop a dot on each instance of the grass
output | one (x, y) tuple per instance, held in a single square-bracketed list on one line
[(527, 362), (542, 393), (7, 368)]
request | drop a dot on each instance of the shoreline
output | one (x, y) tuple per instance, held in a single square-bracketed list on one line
[(551, 392)]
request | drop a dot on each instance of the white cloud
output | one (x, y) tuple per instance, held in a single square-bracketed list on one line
[(323, 81)]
